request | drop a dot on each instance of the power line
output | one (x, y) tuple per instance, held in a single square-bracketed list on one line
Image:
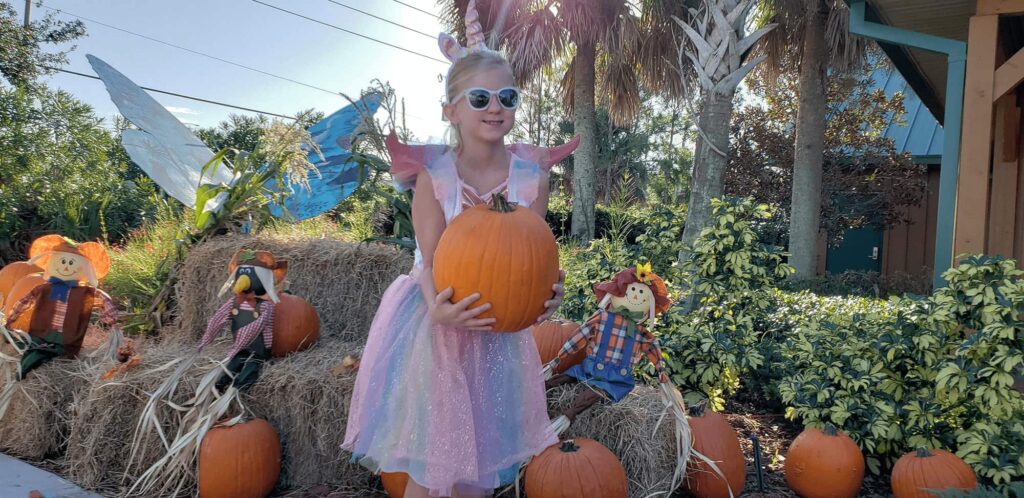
[(413, 7), (196, 52), (428, 35), (189, 97), (296, 14)]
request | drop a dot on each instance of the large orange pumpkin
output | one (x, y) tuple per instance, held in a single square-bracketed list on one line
[(240, 461), (296, 325), (20, 290), (394, 483), (550, 336), (580, 467), (925, 469), (714, 438), (10, 274), (824, 464), (504, 252)]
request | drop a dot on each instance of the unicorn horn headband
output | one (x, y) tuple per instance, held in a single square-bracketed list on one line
[(474, 37)]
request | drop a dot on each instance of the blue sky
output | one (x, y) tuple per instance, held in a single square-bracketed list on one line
[(261, 37)]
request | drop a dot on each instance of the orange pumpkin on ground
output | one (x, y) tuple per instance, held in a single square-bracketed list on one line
[(714, 438), (824, 464), (394, 483), (550, 336), (576, 467), (296, 325), (504, 252), (240, 461), (10, 274), (20, 290), (925, 469)]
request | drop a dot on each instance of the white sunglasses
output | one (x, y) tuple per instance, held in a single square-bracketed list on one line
[(479, 98)]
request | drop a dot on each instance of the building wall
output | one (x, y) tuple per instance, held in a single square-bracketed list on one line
[(910, 247)]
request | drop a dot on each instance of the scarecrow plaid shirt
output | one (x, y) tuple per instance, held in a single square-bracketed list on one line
[(592, 332), (264, 325), (108, 311)]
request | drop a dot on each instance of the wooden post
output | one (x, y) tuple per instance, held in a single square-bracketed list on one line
[(1002, 213), (996, 7), (976, 153)]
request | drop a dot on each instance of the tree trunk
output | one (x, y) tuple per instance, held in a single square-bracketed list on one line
[(585, 159), (708, 178), (808, 154)]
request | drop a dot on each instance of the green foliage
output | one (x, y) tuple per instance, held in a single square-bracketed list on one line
[(61, 172), (906, 376), (1010, 490), (731, 275), (22, 55)]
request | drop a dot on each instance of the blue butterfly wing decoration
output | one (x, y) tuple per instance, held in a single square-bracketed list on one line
[(169, 153), (165, 149), (339, 174)]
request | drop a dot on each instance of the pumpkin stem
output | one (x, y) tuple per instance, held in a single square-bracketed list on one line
[(830, 430), (500, 204), (697, 409), (569, 446), (923, 452)]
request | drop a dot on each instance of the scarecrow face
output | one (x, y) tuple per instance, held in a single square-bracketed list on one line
[(638, 298), (67, 266), (246, 280)]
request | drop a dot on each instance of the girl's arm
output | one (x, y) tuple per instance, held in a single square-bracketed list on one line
[(428, 222)]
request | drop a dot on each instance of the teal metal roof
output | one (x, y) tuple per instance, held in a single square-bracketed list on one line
[(920, 134)]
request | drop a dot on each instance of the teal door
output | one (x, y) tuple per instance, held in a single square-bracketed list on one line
[(861, 250)]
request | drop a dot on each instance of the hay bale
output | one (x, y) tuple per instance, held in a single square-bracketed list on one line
[(307, 401), (627, 428), (104, 424), (299, 395), (342, 280), (38, 420)]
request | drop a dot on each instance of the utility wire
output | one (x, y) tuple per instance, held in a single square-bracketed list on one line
[(296, 14), (413, 7), (198, 99), (428, 35), (196, 52)]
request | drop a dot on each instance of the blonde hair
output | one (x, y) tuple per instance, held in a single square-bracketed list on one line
[(460, 71)]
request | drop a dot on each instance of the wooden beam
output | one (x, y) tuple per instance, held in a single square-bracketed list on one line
[(1002, 212), (997, 7), (976, 153), (1009, 75)]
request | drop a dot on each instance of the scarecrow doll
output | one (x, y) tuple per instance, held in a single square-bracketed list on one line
[(616, 339), (252, 277), (61, 307)]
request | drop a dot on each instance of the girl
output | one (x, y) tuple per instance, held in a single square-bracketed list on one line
[(438, 397)]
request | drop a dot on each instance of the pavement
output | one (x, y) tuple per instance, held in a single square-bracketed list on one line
[(18, 478)]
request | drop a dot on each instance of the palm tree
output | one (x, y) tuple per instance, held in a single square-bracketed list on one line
[(612, 52), (716, 48), (815, 33)]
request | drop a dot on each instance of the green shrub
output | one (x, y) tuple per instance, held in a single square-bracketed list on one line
[(731, 274)]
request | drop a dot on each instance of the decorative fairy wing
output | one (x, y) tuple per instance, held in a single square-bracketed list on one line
[(339, 174), (163, 147)]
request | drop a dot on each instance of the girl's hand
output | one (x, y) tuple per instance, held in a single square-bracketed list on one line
[(551, 305), (443, 312)]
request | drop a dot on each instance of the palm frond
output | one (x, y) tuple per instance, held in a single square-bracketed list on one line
[(534, 42)]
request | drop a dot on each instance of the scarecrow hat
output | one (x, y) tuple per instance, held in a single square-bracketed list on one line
[(94, 253), (642, 273), (270, 270)]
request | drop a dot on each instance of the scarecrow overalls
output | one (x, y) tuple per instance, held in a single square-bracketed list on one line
[(252, 325), (615, 344), (60, 318)]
